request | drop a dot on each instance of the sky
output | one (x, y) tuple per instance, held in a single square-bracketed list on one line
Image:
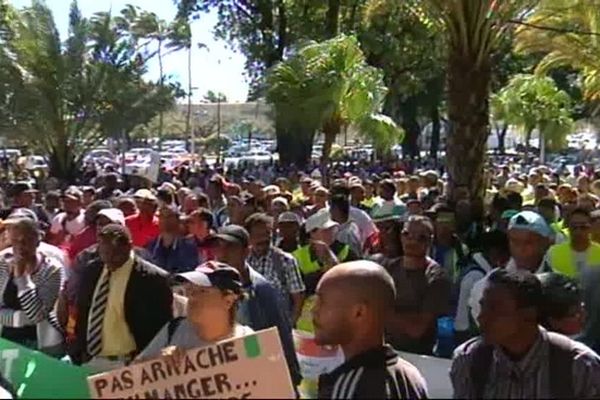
[(207, 73)]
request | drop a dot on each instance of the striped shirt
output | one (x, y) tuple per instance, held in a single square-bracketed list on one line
[(528, 378), (374, 374)]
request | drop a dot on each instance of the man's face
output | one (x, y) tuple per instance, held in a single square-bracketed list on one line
[(547, 213), (88, 197), (288, 230), (500, 320), (580, 227), (445, 227), (197, 226), (147, 207), (72, 206), (416, 239), (305, 187), (168, 221), (387, 192), (190, 204), (112, 253), (326, 236), (101, 222), (260, 237), (332, 314), (358, 194), (233, 254), (25, 199), (52, 202), (23, 241), (527, 248)]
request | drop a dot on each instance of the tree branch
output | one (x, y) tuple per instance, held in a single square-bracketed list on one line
[(553, 29)]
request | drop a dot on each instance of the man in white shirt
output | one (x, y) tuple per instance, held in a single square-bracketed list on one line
[(69, 222), (529, 237)]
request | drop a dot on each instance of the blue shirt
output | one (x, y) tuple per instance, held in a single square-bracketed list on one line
[(181, 256)]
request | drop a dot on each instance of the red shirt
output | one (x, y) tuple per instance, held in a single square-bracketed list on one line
[(81, 241), (142, 231)]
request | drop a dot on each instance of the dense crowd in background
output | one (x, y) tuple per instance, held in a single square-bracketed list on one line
[(374, 257)]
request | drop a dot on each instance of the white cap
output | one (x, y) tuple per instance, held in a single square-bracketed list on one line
[(319, 220), (144, 194), (114, 215)]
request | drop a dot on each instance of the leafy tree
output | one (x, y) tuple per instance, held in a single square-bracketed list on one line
[(213, 97), (406, 43), (69, 96), (532, 102), (327, 86), (472, 31), (565, 33)]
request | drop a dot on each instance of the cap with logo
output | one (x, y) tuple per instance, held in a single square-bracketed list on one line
[(21, 187), (218, 275), (319, 220), (114, 215), (532, 222)]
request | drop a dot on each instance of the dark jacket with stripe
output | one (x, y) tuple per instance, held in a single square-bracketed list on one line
[(148, 304), (375, 374)]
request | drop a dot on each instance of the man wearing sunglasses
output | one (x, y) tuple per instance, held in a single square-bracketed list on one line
[(423, 290)]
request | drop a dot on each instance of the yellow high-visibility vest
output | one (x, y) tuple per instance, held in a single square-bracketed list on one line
[(561, 259)]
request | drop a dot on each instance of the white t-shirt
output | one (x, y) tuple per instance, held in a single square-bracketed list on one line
[(73, 227), (365, 224)]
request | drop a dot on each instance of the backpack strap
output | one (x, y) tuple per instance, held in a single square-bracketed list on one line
[(561, 355), (172, 327), (481, 363)]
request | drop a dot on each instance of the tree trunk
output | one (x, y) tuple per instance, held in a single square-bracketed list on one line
[(527, 142), (434, 114), (412, 129), (501, 133), (160, 115), (331, 129), (294, 146), (188, 125), (332, 19), (468, 112)]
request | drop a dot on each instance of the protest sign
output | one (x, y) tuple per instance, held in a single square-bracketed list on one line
[(252, 366), (35, 375), (314, 360)]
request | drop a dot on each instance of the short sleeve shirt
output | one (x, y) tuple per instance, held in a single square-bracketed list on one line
[(419, 291)]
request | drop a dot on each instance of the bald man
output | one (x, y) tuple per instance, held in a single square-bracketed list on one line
[(353, 302)]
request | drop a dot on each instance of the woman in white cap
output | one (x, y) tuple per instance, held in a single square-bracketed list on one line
[(212, 292)]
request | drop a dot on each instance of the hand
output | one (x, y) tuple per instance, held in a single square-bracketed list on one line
[(323, 253), (173, 355)]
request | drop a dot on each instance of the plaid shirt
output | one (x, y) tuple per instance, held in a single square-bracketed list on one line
[(279, 268)]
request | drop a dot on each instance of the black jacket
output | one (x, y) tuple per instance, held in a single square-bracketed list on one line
[(148, 304), (375, 374)]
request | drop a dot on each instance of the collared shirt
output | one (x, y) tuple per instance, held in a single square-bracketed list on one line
[(180, 256), (528, 378), (279, 268), (142, 230), (117, 339), (348, 233)]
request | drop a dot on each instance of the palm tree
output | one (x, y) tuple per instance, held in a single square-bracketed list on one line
[(472, 29), (566, 33), (328, 86)]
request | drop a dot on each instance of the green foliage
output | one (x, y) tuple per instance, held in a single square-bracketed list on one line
[(532, 102), (213, 97), (66, 97), (565, 33), (328, 86)]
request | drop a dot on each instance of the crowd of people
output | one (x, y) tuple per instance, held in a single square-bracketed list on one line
[(119, 270)]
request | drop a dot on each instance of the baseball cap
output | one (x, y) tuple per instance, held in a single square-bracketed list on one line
[(114, 215), (289, 216), (19, 214), (21, 187), (320, 220), (234, 234), (508, 214), (220, 276), (144, 194), (532, 222), (73, 193), (271, 190), (514, 185)]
